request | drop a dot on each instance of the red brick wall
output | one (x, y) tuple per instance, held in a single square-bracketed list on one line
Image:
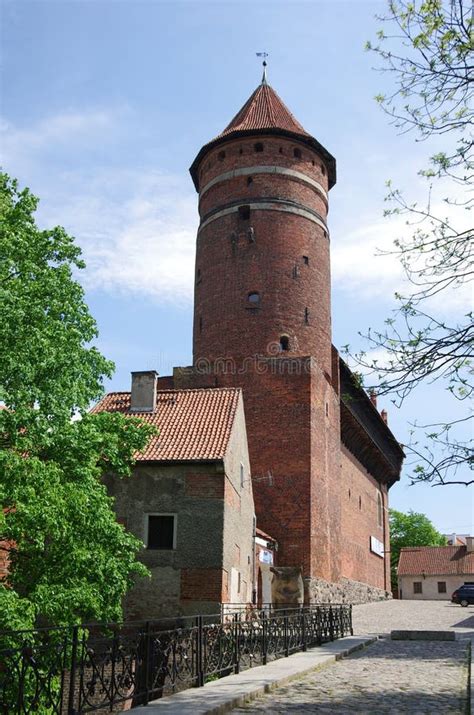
[(203, 584), (228, 274), (292, 434), (204, 486), (292, 414), (359, 523)]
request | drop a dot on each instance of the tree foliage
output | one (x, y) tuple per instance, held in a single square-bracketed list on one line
[(69, 560), (412, 529), (427, 53)]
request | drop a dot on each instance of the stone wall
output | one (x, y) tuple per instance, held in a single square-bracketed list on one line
[(345, 591)]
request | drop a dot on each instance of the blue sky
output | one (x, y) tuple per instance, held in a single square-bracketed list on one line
[(104, 105)]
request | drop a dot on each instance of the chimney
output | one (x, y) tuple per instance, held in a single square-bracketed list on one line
[(470, 544), (384, 416), (373, 397), (143, 397)]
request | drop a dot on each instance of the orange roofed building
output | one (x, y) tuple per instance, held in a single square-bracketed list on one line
[(262, 325), (189, 499), (435, 572)]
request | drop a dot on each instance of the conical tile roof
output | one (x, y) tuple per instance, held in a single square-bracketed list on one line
[(264, 110), (265, 113)]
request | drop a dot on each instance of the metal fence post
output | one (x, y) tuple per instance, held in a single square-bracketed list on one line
[(72, 676), (236, 629), (200, 652), (264, 638), (331, 623), (285, 625), (112, 671), (303, 630), (146, 662)]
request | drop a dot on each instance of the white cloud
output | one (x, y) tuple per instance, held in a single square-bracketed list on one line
[(136, 226), (364, 265)]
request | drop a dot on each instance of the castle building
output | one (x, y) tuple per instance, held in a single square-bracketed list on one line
[(322, 457)]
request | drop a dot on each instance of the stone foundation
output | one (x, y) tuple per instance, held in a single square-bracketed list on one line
[(345, 591)]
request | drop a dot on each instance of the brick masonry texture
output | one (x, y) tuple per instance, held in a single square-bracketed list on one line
[(291, 399), (272, 264)]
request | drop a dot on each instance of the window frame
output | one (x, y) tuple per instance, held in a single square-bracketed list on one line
[(147, 530), (418, 585), (444, 588)]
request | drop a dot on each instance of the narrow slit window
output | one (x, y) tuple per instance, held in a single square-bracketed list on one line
[(379, 510), (244, 213), (258, 147), (221, 155), (284, 343), (306, 316), (323, 170), (200, 325), (297, 153), (306, 260), (249, 180)]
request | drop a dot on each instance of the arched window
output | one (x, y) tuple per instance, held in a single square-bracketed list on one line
[(297, 153), (258, 146), (253, 299), (284, 343), (379, 509)]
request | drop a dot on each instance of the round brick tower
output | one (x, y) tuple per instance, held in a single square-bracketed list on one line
[(262, 283)]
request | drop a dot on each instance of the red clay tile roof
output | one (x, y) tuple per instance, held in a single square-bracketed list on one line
[(435, 561), (263, 110), (194, 425)]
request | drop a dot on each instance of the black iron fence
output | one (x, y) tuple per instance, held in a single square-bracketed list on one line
[(110, 668)]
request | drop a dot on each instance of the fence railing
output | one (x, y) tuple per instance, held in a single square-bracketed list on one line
[(109, 668)]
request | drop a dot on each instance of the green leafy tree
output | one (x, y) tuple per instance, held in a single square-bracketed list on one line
[(426, 52), (69, 559), (412, 529)]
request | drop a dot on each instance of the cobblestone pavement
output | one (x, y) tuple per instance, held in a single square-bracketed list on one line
[(385, 616), (387, 677)]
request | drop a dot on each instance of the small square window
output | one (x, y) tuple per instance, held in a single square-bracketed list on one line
[(417, 587), (161, 531), (241, 475), (441, 586)]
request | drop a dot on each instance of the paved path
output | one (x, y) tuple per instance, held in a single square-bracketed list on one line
[(387, 677), (386, 616)]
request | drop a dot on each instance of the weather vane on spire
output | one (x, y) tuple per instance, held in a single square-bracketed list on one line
[(264, 55)]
